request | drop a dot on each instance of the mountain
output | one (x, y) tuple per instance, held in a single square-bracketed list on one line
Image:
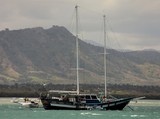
[(93, 43), (37, 55)]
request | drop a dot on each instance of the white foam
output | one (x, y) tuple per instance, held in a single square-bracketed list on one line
[(90, 113), (134, 115)]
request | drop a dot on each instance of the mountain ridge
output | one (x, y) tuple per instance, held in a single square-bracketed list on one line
[(39, 55)]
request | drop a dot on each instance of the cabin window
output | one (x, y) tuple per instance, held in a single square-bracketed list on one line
[(93, 97), (82, 98), (88, 97)]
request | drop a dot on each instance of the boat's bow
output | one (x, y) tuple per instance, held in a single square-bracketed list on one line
[(116, 104)]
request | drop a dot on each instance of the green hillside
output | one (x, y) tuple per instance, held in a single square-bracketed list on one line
[(37, 55)]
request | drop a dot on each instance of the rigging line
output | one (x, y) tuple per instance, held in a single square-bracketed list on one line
[(115, 37), (80, 35), (113, 33), (112, 48), (82, 65), (92, 11), (72, 28), (71, 24), (107, 35), (122, 52), (109, 38), (90, 18)]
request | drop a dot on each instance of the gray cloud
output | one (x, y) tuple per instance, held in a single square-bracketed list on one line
[(135, 22)]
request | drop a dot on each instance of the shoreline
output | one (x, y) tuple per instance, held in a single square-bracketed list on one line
[(9, 100), (144, 102), (5, 100)]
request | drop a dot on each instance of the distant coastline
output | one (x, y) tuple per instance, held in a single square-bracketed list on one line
[(34, 90), (143, 102)]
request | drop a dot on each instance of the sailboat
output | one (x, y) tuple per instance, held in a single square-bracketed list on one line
[(70, 100), (73, 100)]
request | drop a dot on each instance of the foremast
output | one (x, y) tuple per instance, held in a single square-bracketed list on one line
[(77, 49)]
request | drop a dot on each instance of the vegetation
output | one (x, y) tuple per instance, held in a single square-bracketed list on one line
[(37, 55), (34, 90)]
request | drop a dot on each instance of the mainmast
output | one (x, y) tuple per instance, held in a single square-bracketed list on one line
[(77, 48), (105, 69)]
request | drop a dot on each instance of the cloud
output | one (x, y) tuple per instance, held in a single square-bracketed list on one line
[(136, 23), (134, 41), (26, 13)]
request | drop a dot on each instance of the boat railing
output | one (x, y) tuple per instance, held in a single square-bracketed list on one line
[(62, 91)]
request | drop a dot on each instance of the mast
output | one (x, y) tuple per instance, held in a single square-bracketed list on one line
[(77, 49), (105, 69)]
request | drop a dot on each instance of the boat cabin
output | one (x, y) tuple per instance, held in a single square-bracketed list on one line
[(89, 99), (71, 97)]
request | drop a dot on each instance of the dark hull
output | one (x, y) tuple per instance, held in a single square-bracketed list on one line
[(49, 105), (62, 108), (118, 104)]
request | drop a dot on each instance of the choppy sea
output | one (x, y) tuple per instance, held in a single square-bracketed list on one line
[(136, 110)]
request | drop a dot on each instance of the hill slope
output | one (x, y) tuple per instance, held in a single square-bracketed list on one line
[(40, 55)]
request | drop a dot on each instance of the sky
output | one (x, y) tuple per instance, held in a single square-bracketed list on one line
[(131, 24)]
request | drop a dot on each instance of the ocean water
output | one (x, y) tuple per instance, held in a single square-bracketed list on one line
[(140, 111)]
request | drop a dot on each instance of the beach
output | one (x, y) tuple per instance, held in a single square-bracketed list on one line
[(6, 100), (144, 102), (10, 100)]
